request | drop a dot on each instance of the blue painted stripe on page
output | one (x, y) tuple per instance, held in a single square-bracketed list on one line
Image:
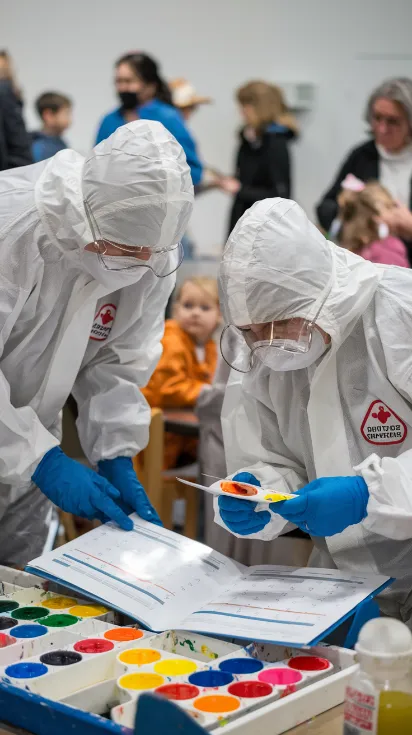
[(251, 617), (118, 579)]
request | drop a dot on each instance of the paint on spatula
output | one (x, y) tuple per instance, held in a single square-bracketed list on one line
[(242, 490)]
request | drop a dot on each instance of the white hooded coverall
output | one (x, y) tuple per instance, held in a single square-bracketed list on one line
[(350, 412), (61, 329)]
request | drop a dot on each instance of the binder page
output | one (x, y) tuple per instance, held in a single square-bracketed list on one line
[(284, 604), (154, 575)]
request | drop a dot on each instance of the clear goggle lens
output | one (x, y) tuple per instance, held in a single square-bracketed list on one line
[(162, 261), (242, 347)]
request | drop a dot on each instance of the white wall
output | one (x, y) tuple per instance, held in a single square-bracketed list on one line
[(343, 47)]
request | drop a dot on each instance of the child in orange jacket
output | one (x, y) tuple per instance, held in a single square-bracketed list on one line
[(188, 362)]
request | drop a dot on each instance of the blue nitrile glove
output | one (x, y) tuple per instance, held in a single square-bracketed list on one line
[(120, 473), (240, 516), (326, 506), (78, 489)]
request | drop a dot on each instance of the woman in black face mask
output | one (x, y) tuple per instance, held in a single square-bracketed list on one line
[(144, 95)]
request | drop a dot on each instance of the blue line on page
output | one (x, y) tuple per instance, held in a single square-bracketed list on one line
[(250, 617), (118, 579), (156, 538), (292, 577), (160, 540), (62, 563)]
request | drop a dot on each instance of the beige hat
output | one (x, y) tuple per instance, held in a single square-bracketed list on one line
[(184, 94)]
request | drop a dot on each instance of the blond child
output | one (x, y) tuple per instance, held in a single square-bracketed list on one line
[(188, 362), (360, 209)]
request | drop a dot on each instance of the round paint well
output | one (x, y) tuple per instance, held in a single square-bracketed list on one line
[(59, 603), (217, 703), (6, 622), (6, 640), (93, 645), (241, 666), (139, 656), (309, 663), (60, 658), (26, 670), (250, 689), (175, 667), (211, 678), (30, 613), (29, 631), (280, 677), (121, 635), (139, 682), (178, 692), (59, 620), (88, 611), (8, 606)]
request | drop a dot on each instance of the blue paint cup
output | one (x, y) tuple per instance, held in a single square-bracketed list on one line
[(26, 670), (241, 666), (28, 631), (211, 678)]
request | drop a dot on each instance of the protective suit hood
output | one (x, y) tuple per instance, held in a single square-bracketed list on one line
[(137, 184), (277, 265)]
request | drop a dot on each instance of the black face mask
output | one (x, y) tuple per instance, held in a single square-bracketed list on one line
[(129, 100)]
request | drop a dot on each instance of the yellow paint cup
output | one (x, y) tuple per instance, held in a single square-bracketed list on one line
[(88, 611), (175, 667)]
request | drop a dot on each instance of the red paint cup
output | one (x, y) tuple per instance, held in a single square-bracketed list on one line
[(93, 645), (250, 689), (309, 663), (178, 692)]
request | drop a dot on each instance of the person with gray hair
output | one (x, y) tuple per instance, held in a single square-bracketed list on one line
[(386, 158)]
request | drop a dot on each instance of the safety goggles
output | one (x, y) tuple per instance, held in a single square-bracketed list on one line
[(162, 261), (241, 347)]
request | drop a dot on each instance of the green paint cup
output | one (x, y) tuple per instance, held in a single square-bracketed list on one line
[(8, 606), (59, 621), (29, 613)]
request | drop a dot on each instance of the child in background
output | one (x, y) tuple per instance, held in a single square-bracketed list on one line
[(55, 110), (188, 362), (360, 206)]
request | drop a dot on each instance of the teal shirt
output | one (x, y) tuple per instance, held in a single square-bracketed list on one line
[(171, 118)]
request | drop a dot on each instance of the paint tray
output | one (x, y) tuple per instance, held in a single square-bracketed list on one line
[(242, 491)]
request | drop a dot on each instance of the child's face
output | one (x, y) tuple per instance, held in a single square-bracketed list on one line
[(196, 313), (58, 121)]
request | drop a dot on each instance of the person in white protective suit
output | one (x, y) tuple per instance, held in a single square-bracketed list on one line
[(88, 251), (322, 406)]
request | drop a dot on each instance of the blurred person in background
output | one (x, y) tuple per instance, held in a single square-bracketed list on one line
[(14, 139), (387, 157), (188, 362), (185, 98), (399, 221), (262, 163), (55, 112), (144, 95), (361, 232)]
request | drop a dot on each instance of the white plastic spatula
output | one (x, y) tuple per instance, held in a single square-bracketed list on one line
[(241, 490)]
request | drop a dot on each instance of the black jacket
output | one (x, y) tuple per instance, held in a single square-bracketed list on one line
[(263, 169), (362, 162), (15, 144)]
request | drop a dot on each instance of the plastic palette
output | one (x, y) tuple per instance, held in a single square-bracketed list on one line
[(97, 667), (242, 491), (235, 685)]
